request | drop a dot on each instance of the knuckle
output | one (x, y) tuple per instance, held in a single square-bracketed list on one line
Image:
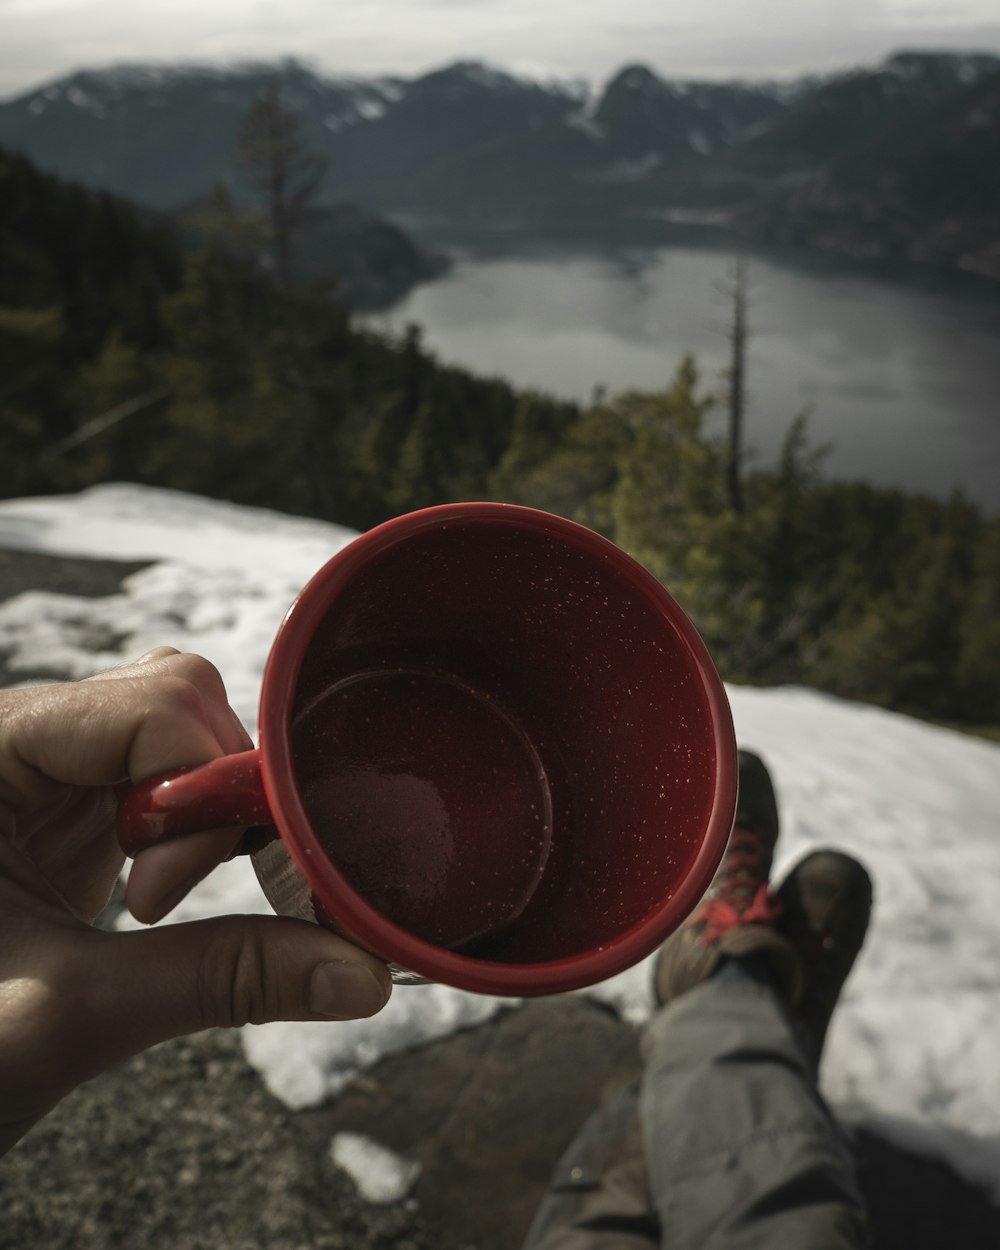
[(201, 673), (176, 696), (182, 680), (157, 653), (236, 984)]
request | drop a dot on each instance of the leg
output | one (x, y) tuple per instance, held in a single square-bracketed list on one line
[(598, 1198), (742, 1152), (729, 1145)]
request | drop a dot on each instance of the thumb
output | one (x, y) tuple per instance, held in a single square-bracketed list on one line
[(231, 971)]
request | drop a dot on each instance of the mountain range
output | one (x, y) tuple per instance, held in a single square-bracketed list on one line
[(470, 145)]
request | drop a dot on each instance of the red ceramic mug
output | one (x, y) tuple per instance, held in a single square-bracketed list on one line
[(493, 750)]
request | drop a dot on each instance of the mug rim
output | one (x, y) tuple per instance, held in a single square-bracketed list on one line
[(357, 918)]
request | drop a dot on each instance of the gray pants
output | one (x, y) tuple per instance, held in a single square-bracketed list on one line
[(725, 1144)]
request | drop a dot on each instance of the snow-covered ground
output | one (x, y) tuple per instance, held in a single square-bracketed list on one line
[(914, 1045)]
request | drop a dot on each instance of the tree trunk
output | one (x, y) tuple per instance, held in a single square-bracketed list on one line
[(737, 371)]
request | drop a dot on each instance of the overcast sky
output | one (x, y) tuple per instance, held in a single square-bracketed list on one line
[(42, 39)]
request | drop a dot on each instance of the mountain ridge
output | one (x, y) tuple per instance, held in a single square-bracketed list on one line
[(470, 144)]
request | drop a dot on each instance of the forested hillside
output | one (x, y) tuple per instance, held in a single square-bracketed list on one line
[(121, 358), (924, 191)]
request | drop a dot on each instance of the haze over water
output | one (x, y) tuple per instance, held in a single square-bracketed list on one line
[(904, 383)]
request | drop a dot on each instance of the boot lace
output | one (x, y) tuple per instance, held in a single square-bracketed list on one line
[(739, 896)]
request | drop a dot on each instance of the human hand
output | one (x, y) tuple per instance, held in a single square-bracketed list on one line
[(75, 999)]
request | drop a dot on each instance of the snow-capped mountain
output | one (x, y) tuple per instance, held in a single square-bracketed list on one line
[(469, 141)]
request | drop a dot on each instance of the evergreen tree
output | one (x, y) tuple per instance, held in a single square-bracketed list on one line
[(285, 176), (978, 661)]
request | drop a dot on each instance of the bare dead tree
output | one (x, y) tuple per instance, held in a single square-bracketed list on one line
[(97, 425), (737, 378)]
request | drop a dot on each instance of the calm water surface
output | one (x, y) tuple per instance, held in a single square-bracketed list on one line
[(902, 382)]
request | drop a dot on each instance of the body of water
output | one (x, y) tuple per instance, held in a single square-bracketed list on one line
[(903, 383)]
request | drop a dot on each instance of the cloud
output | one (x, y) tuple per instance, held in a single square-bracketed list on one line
[(730, 38)]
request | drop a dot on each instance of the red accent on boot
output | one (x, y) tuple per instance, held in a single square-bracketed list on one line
[(719, 915)]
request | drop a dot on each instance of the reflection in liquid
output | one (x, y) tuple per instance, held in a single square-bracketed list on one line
[(429, 800)]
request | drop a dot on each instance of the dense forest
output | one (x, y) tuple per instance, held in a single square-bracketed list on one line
[(123, 357)]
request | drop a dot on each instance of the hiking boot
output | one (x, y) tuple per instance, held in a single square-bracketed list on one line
[(738, 913), (826, 902)]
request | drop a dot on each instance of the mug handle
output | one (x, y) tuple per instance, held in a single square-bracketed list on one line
[(225, 792)]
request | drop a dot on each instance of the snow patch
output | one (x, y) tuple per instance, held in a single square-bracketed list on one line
[(125, 522), (305, 1063), (584, 121), (390, 89), (381, 1176), (629, 170), (83, 100), (489, 76), (370, 109)]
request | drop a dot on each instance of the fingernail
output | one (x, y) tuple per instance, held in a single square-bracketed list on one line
[(345, 991)]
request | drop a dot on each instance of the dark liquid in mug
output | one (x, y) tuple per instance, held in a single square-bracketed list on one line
[(429, 799)]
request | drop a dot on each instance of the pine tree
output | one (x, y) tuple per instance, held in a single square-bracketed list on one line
[(978, 661), (284, 174)]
